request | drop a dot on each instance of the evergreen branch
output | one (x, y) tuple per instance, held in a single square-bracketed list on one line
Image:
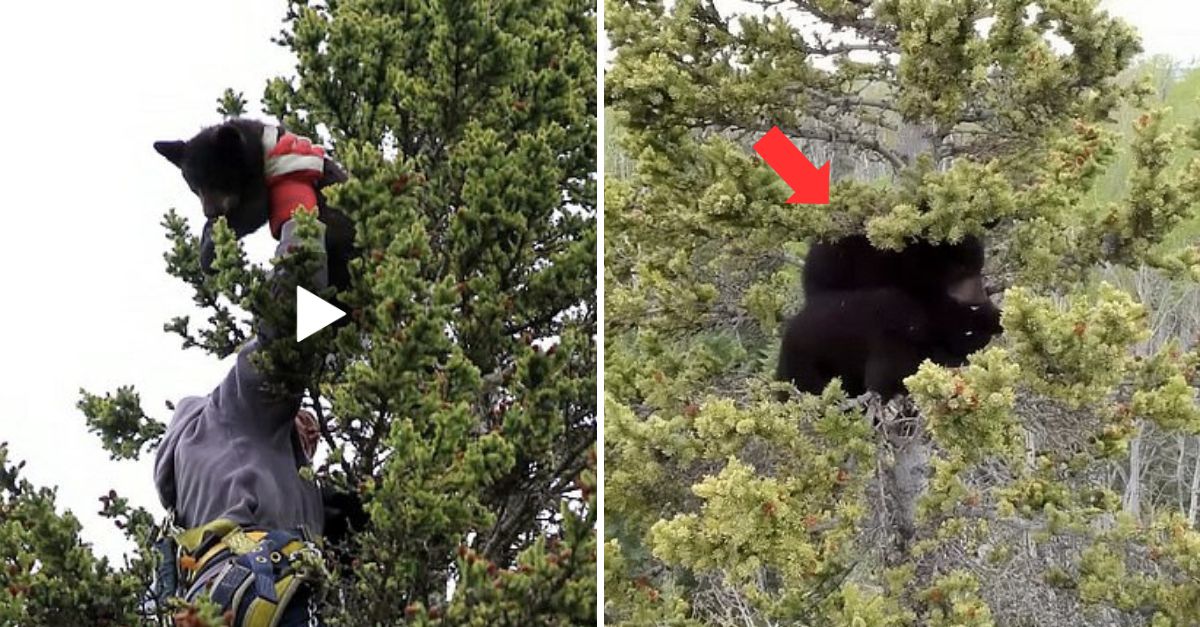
[(840, 49), (537, 321), (327, 435), (845, 103), (867, 27)]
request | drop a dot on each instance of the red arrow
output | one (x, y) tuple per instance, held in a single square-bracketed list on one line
[(810, 185)]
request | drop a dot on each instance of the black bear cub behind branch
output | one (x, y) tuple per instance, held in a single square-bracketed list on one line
[(242, 169), (872, 316)]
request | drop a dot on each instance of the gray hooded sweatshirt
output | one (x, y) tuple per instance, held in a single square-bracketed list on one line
[(233, 453)]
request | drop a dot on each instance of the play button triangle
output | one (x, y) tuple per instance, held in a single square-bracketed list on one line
[(313, 314)]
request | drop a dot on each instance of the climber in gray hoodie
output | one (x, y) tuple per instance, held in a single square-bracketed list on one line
[(229, 470)]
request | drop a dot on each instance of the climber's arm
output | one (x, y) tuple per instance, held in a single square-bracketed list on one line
[(244, 394)]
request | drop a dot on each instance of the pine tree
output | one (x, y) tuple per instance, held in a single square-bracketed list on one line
[(460, 400), (1004, 504)]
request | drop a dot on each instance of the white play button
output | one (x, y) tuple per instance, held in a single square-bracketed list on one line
[(313, 314)]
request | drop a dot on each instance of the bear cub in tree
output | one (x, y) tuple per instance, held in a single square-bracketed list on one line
[(244, 169), (872, 316)]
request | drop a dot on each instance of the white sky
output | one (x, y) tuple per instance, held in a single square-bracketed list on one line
[(1170, 27), (88, 87)]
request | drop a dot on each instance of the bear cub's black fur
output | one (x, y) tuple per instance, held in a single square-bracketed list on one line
[(872, 316), (224, 166)]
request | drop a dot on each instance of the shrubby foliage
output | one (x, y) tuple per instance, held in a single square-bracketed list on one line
[(1050, 481)]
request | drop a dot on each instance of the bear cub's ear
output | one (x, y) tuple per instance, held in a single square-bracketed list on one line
[(229, 140), (172, 150)]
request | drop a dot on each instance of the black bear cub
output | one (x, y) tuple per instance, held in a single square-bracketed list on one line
[(872, 316), (230, 167), (925, 270)]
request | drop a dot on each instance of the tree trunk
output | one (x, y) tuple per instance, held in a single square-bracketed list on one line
[(1181, 442), (905, 476), (1195, 500), (1131, 502)]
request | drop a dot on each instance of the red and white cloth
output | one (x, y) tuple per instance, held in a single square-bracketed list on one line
[(293, 166)]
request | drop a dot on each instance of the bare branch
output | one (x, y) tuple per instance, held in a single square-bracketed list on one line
[(845, 136)]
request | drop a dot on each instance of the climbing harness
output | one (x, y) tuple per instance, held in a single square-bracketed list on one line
[(166, 576), (253, 572)]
